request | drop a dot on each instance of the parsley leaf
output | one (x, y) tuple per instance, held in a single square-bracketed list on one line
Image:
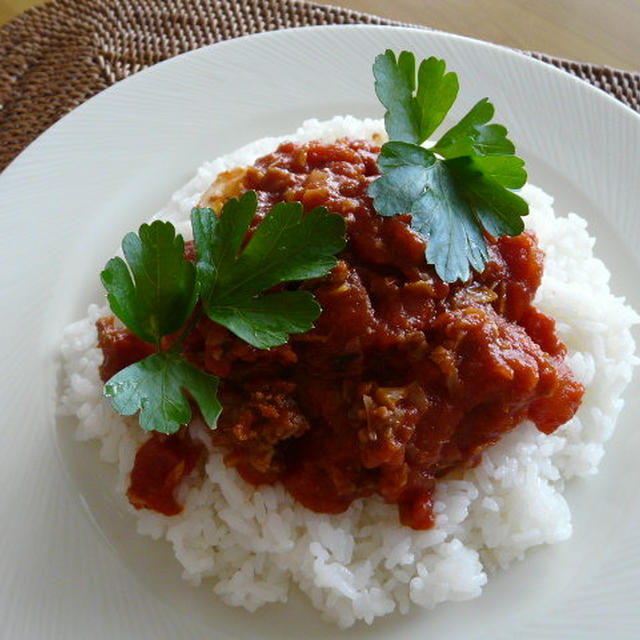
[(154, 386), (473, 134), (412, 118), (286, 246), (458, 189), (162, 293)]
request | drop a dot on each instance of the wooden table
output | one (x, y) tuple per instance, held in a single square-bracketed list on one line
[(598, 31), (605, 32)]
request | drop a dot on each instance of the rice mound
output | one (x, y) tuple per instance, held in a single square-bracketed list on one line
[(252, 544)]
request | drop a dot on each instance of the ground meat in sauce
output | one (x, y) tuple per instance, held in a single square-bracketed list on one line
[(404, 379)]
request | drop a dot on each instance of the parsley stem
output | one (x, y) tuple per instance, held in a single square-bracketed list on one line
[(177, 345)]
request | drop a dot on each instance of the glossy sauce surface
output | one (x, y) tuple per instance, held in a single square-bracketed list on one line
[(404, 378)]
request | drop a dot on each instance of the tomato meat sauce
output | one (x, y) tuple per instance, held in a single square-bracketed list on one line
[(404, 378)]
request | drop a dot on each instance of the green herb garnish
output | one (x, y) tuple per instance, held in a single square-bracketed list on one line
[(285, 247), (163, 291), (457, 189), (155, 387), (154, 293)]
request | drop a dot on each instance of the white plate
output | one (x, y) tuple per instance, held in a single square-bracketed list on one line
[(69, 198)]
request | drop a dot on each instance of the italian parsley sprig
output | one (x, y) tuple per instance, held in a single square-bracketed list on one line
[(154, 291), (286, 246), (457, 189)]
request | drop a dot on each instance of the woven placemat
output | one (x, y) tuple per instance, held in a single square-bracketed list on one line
[(56, 56)]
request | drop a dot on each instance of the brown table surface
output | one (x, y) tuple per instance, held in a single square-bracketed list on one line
[(601, 32)]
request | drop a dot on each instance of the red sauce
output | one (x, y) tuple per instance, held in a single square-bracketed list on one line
[(404, 378), (120, 347), (161, 464)]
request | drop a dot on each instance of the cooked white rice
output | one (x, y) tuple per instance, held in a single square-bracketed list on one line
[(250, 545)]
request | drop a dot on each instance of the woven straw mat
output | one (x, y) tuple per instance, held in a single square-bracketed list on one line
[(56, 56)]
